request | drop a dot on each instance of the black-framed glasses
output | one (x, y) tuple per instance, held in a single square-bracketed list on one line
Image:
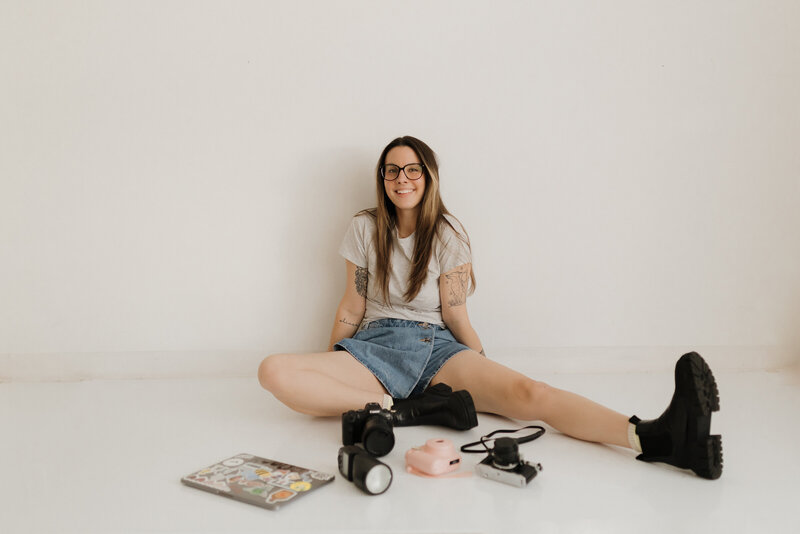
[(413, 171)]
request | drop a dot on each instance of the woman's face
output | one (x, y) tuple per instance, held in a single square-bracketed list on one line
[(405, 194)]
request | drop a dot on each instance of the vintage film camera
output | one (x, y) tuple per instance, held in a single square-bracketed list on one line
[(504, 463), (372, 427)]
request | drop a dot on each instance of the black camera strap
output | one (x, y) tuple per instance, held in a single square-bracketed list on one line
[(484, 439)]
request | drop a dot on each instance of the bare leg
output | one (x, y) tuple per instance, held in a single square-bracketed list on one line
[(327, 383), (498, 389)]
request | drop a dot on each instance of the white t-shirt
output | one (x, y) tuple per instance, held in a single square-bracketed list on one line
[(449, 252)]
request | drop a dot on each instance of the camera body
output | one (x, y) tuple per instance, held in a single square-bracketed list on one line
[(371, 427), (505, 464), (436, 457)]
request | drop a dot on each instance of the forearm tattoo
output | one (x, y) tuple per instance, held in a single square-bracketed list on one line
[(345, 321), (361, 281), (457, 284)]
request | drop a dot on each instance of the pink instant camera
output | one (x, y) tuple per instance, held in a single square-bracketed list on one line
[(436, 457)]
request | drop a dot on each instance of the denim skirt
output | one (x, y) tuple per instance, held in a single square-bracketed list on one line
[(403, 355)]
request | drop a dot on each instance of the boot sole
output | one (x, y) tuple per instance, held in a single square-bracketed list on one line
[(706, 458), (704, 385), (705, 455)]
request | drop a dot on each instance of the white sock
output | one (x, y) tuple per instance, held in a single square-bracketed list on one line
[(633, 438), (388, 402)]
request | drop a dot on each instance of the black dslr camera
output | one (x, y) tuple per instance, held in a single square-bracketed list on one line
[(505, 464), (372, 427)]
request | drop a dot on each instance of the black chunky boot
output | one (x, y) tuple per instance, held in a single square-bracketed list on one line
[(680, 437), (438, 405)]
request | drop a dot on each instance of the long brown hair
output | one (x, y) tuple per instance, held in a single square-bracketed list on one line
[(429, 221)]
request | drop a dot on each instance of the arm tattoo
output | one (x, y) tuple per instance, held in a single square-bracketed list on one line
[(457, 283), (345, 321), (361, 281)]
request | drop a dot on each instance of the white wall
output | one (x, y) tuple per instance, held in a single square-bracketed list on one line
[(177, 176)]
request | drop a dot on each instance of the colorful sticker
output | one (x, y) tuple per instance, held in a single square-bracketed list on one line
[(281, 496), (316, 475), (300, 486), (217, 485), (263, 473)]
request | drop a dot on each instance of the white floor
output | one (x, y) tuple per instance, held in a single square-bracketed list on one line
[(107, 456)]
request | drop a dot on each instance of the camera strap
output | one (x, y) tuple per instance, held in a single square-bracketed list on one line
[(488, 437)]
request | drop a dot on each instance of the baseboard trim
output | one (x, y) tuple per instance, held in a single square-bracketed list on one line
[(600, 360), (70, 367)]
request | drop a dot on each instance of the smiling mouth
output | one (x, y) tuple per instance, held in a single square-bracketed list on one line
[(404, 191)]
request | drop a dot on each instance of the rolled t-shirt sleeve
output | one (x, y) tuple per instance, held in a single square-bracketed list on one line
[(454, 250), (353, 247)]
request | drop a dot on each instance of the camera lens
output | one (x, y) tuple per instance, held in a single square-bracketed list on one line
[(378, 437), (505, 454)]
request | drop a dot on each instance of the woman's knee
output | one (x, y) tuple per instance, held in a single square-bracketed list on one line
[(533, 395), (273, 371)]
